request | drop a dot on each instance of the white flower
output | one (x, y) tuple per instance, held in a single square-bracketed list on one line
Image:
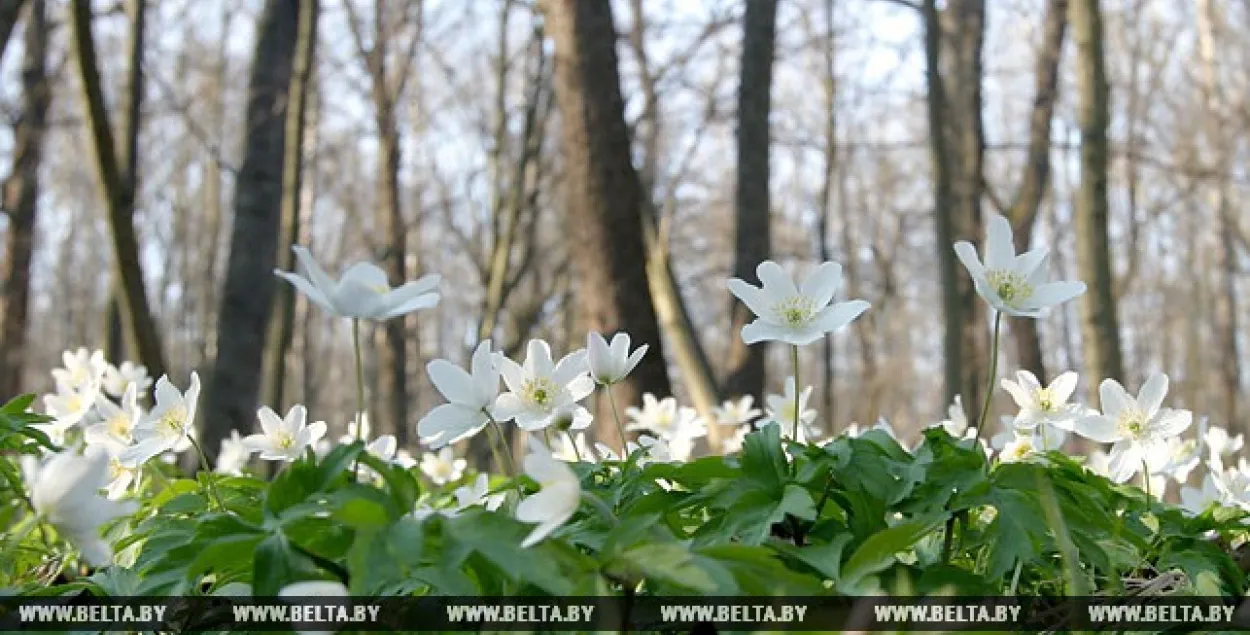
[(233, 456), (469, 396), (478, 494), (1195, 500), (404, 459), (1139, 428), (383, 447), (1044, 405), (284, 439), (1015, 285), (733, 444), (794, 315), (82, 367), (1028, 443), (540, 392), (736, 413), (66, 493), (363, 291), (444, 467), (653, 449), (357, 428), (665, 419), (558, 498), (610, 363), (71, 403), (781, 410), (117, 421), (956, 424), (1217, 440), (572, 449), (168, 426), (1182, 458), (117, 379)]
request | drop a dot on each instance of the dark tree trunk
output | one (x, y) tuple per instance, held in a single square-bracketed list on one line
[(21, 198), (752, 237), (604, 194), (233, 390)]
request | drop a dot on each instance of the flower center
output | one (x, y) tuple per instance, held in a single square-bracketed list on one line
[(119, 427), (796, 311), (1022, 449), (1045, 400), (1133, 423), (1009, 285), (283, 439), (116, 468), (540, 391), (172, 421)]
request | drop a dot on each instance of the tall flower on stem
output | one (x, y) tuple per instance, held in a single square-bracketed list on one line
[(794, 314), (363, 292), (542, 392), (611, 363), (66, 493), (1010, 284)]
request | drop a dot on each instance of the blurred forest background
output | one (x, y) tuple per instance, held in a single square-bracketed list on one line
[(577, 164)]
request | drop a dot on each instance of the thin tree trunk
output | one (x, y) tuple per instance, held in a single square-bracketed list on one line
[(604, 194), (1226, 321), (21, 199), (830, 85), (118, 178), (745, 371), (952, 342), (247, 295), (1100, 332), (1033, 184), (282, 326)]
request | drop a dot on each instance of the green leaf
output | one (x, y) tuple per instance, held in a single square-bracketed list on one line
[(825, 559), (276, 564), (498, 539), (669, 563), (877, 552), (762, 458)]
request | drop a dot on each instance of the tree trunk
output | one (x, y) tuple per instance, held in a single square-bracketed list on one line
[(1034, 181), (604, 194), (10, 10), (21, 198), (247, 294), (966, 30), (282, 327), (1100, 333), (118, 179), (745, 371)]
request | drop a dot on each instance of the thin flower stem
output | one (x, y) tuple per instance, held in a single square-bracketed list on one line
[(794, 358), (505, 453), (211, 489), (616, 414), (989, 388), (577, 453), (360, 391), (1145, 477)]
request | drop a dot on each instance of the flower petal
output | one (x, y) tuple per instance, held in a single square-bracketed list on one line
[(1000, 252), (1062, 387), (1100, 428), (452, 382), (839, 315), (1151, 395), (822, 283), (967, 254), (1115, 399), (1052, 293), (751, 296), (777, 283)]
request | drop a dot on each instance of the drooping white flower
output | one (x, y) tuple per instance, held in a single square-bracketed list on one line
[(82, 368), (1040, 405), (736, 413), (558, 497), (1139, 428), (117, 379), (1011, 284), (956, 423), (470, 398), (478, 494), (66, 493), (1217, 440), (666, 419), (797, 315), (71, 403), (284, 438), (363, 291), (1195, 500), (169, 424), (233, 456), (733, 443), (117, 421), (610, 363), (443, 467), (780, 409), (541, 391)]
